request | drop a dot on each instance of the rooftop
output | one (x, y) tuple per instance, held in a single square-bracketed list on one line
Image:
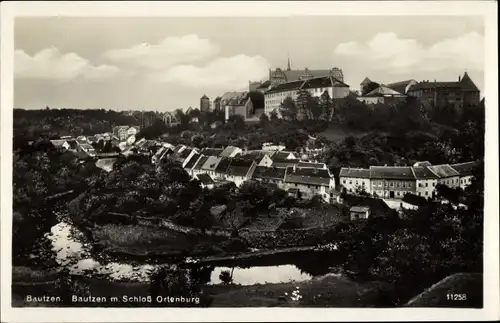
[(304, 164), (399, 86), (228, 151), (414, 199), (269, 173), (202, 160), (205, 179), (211, 151), (443, 170), (391, 172), (359, 209), (383, 91), (308, 176), (465, 169), (422, 172), (211, 163), (282, 155), (354, 172), (192, 162)]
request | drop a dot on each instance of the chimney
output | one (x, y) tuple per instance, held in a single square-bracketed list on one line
[(459, 78)]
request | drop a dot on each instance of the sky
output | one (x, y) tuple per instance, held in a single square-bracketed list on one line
[(163, 64)]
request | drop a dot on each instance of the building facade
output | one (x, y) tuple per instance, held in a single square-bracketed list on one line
[(243, 108), (425, 181), (392, 182), (355, 180), (457, 93), (274, 97)]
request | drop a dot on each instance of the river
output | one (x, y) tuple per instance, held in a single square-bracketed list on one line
[(74, 254)]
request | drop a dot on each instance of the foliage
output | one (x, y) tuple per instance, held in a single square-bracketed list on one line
[(40, 172), (423, 247)]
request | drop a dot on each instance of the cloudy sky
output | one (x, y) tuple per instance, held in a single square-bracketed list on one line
[(163, 64)]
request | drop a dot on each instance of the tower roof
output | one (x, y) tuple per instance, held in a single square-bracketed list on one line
[(366, 81), (467, 83)]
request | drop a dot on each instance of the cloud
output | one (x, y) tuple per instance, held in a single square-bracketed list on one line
[(50, 64), (388, 51), (227, 73), (169, 52)]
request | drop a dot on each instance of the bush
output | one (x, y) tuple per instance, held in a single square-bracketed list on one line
[(234, 245)]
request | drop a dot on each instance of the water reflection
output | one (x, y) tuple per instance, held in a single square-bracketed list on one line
[(261, 274)]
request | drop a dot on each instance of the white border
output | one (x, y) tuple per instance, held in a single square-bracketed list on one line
[(488, 10)]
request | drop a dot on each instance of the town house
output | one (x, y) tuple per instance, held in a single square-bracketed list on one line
[(191, 163), (198, 167), (240, 170), (392, 182), (466, 171), (221, 169), (309, 182), (210, 165), (355, 179), (205, 180), (446, 175), (270, 175), (425, 181)]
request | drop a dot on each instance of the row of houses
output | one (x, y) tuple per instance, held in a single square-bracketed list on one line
[(213, 166), (394, 182)]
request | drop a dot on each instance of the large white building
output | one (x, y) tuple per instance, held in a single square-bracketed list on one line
[(315, 86)]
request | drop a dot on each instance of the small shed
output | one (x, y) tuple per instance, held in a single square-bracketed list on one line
[(359, 212)]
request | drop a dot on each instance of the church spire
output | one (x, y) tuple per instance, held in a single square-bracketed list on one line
[(288, 68)]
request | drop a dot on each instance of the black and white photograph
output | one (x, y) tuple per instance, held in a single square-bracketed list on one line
[(297, 160)]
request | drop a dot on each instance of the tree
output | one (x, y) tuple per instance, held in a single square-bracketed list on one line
[(274, 116), (264, 119), (289, 109), (326, 105), (236, 123), (201, 215), (237, 216)]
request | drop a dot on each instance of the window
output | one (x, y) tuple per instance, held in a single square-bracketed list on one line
[(426, 184), (356, 182), (419, 193), (350, 182), (426, 193), (344, 181)]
